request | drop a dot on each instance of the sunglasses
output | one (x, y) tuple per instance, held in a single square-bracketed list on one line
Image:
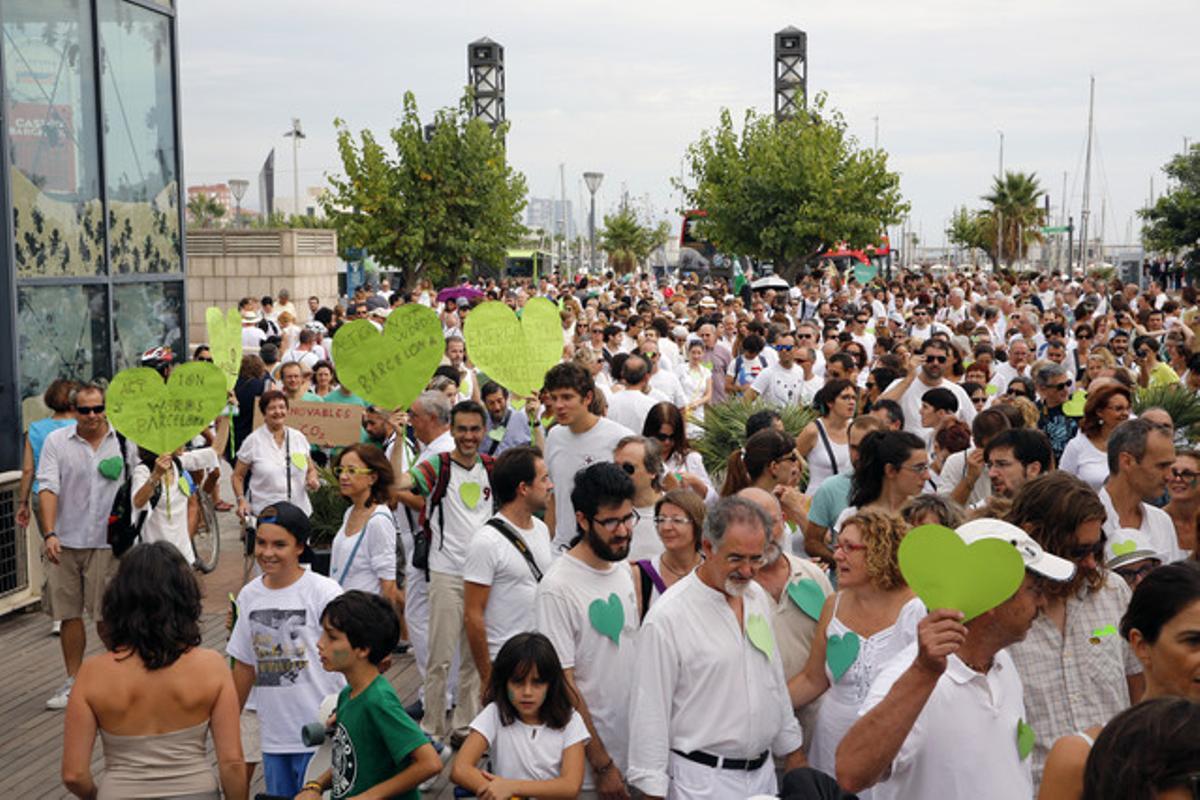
[(785, 348), (205, 358), (340, 471), (1185, 475), (85, 410), (1058, 387), (935, 359), (664, 437), (1082, 551), (629, 468), (1135, 574)]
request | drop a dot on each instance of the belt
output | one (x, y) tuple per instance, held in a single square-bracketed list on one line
[(717, 762)]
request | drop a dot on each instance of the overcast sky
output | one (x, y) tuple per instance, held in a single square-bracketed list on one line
[(623, 87)]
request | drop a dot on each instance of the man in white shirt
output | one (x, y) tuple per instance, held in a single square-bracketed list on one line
[(1017, 364), (710, 702), (663, 386), (304, 353), (630, 407), (587, 607), (926, 371), (944, 718), (508, 557), (780, 384), (579, 439), (252, 334), (1141, 455)]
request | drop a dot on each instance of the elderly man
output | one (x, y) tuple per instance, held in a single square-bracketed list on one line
[(716, 355), (710, 702), (1054, 389)]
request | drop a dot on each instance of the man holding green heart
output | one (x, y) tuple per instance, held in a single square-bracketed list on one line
[(945, 717), (710, 701)]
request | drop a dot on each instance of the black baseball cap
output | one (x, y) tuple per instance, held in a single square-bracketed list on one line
[(288, 517)]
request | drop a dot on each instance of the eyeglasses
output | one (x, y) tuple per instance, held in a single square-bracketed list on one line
[(629, 468), (610, 524), (664, 437), (340, 471), (789, 457), (849, 547), (804, 336), (85, 410), (935, 359), (1058, 387), (978, 400), (916, 469), (205, 358), (1081, 551), (1187, 476), (1135, 574), (676, 521)]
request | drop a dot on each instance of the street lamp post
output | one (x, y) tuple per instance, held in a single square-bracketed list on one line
[(237, 187), (593, 180), (296, 135)]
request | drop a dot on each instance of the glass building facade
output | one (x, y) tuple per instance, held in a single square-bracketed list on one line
[(93, 237)]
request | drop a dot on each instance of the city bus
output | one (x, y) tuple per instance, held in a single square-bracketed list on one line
[(532, 264)]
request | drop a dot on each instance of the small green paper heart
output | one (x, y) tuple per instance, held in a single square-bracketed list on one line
[(185, 487), (758, 630), (991, 390), (1124, 548), (110, 468), (807, 596), (608, 617), (497, 434), (1025, 739), (1074, 406), (470, 493), (841, 652), (947, 573), (300, 460), (1107, 630)]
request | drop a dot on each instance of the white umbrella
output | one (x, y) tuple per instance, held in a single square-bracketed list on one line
[(770, 282)]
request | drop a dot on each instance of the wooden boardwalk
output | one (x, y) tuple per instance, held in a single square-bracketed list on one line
[(31, 663)]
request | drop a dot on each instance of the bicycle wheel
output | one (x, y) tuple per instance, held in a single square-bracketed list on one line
[(207, 541)]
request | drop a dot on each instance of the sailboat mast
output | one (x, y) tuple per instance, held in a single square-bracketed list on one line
[(1087, 180)]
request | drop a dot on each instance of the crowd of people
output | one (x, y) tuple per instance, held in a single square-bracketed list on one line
[(595, 609)]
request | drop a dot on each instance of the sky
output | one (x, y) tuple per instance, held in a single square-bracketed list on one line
[(623, 87)]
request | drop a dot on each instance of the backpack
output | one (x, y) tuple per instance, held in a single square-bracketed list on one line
[(423, 536), (737, 368), (123, 530)]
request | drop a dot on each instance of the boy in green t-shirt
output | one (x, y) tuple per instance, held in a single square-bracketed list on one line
[(378, 751)]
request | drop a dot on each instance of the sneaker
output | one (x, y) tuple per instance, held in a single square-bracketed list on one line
[(445, 753), (56, 628), (457, 738), (59, 700)]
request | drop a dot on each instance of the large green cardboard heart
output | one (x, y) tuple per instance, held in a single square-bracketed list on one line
[(808, 597), (515, 353), (758, 630), (1025, 739), (1074, 406), (164, 416), (947, 573), (608, 617), (1124, 548), (225, 341), (110, 467), (841, 652), (390, 369), (470, 493)]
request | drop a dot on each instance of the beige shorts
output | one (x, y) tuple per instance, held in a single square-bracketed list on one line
[(77, 582), (251, 737)]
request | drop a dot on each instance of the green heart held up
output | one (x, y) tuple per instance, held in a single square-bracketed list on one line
[(391, 368), (515, 353), (945, 572), (163, 417)]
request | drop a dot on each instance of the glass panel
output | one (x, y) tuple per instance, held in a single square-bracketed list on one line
[(147, 315), (50, 107), (139, 138), (63, 332)]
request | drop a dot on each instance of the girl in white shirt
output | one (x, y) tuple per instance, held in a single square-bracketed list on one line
[(534, 737), (364, 549)]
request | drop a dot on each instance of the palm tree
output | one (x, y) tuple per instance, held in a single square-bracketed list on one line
[(628, 242), (1016, 197), (204, 211)]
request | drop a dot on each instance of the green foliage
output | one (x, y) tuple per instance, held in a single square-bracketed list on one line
[(724, 428), (1177, 400), (971, 229), (280, 219), (329, 507), (785, 191), (628, 242), (1016, 198), (1173, 223), (428, 206), (204, 211)]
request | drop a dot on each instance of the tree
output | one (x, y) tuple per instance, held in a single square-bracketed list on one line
[(785, 191), (1173, 222), (1015, 199), (973, 230), (204, 211), (628, 242), (441, 201)]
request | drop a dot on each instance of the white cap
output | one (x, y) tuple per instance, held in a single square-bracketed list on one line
[(1132, 544), (1035, 558)]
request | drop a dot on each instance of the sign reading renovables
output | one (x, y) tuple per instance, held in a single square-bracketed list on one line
[(323, 424)]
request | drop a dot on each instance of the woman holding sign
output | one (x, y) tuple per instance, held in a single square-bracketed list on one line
[(276, 458)]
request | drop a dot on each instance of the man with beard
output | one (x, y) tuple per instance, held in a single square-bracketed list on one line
[(1076, 669), (587, 606), (1014, 457), (927, 371), (710, 703)]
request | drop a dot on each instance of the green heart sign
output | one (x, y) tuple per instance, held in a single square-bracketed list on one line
[(807, 596), (607, 617), (1074, 406), (1124, 548), (225, 341), (841, 652), (515, 353), (991, 390), (758, 631), (162, 417), (1025, 739), (945, 572), (470, 493), (110, 467), (390, 369)]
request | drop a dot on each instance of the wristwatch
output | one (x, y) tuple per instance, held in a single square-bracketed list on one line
[(48, 534)]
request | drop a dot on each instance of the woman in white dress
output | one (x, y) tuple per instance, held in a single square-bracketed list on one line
[(364, 549), (872, 607), (825, 442), (682, 466), (696, 378), (1086, 456)]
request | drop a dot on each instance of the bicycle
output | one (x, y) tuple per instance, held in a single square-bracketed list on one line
[(206, 541)]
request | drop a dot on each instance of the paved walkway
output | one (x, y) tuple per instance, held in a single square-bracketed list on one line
[(31, 663)]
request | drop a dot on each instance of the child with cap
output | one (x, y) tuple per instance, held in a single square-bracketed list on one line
[(274, 645)]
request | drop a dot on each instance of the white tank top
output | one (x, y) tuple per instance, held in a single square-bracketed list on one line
[(826, 459)]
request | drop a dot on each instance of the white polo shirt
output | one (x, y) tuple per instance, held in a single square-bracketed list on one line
[(963, 745), (271, 464)]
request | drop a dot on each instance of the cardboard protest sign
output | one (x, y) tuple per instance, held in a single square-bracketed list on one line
[(162, 417), (323, 424), (946, 572), (515, 353), (391, 368), (225, 341)]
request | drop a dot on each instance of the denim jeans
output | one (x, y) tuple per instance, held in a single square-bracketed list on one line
[(284, 772)]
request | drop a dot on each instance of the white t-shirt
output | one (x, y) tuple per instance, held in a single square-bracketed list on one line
[(276, 633), (305, 358), (665, 382), (454, 523), (1157, 527), (630, 407), (566, 454), (524, 752), (270, 464), (603, 668), (910, 402), (495, 561), (645, 542), (375, 559), (252, 338), (168, 520), (779, 386)]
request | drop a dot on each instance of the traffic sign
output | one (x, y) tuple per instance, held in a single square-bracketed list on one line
[(1057, 229)]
